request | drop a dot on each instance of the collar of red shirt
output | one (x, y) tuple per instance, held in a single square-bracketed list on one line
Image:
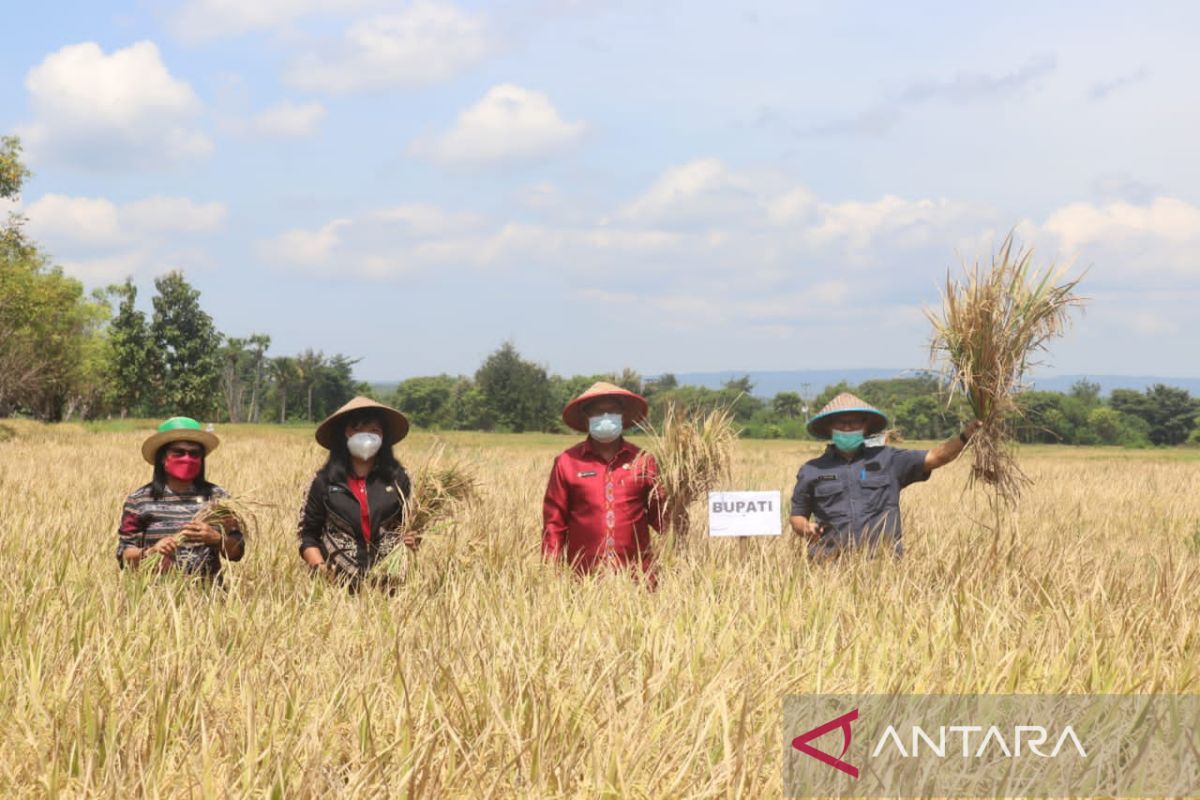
[(627, 448)]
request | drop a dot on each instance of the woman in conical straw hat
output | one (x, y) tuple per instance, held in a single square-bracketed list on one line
[(159, 518), (600, 502), (355, 505), (849, 496)]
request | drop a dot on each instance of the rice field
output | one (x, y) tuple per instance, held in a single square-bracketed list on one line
[(491, 675)]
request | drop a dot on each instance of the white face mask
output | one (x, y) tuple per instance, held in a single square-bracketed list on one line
[(606, 427), (364, 445)]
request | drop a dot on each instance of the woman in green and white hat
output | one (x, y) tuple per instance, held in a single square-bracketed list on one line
[(160, 517)]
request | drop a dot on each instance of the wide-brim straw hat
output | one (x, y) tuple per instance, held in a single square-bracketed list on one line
[(395, 424), (178, 429), (846, 403), (633, 406)]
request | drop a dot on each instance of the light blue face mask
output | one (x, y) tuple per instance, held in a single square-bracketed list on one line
[(606, 427), (847, 441)]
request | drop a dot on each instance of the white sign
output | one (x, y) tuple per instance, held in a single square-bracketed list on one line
[(743, 514)]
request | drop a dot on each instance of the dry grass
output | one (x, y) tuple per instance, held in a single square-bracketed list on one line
[(992, 324), (693, 454), (488, 674)]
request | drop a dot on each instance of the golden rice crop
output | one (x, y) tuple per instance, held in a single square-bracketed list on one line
[(694, 454), (993, 322), (488, 673)]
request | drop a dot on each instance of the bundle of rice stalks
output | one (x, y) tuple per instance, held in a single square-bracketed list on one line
[(222, 513), (441, 487), (992, 323), (694, 454)]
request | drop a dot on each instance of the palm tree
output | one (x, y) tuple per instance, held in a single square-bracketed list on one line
[(285, 372), (259, 343)]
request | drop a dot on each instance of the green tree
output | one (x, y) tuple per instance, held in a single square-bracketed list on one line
[(334, 384), (630, 380), (130, 361), (46, 324), (51, 346), (427, 400), (516, 393), (188, 349), (1086, 392), (1169, 412), (235, 368), (1043, 419), (285, 374), (788, 405), (742, 384), (258, 343), (468, 408), (1105, 423), (12, 176), (662, 383)]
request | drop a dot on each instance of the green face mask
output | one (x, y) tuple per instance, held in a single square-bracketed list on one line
[(847, 441)]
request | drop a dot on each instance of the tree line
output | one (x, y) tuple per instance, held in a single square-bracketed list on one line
[(509, 393)]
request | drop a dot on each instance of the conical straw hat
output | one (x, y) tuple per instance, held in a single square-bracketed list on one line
[(633, 406), (395, 424), (846, 403)]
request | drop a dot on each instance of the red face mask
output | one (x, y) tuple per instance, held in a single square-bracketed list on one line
[(181, 467)]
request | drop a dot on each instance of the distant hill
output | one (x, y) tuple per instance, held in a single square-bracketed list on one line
[(810, 382)]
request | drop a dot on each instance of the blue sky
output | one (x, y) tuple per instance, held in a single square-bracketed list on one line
[(670, 186)]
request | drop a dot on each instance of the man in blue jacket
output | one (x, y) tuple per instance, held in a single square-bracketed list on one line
[(849, 496)]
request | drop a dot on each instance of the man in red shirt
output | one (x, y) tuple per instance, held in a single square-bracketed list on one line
[(600, 502)]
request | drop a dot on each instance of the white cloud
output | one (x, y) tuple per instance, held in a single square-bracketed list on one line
[(1155, 240), (159, 214), (705, 245), (107, 269), (699, 192), (426, 43), (56, 218), (509, 123), (98, 221), (198, 20), (96, 239), (1165, 218), (286, 119), (307, 248), (426, 220), (116, 111)]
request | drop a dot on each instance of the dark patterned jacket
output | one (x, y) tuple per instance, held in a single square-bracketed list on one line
[(330, 519)]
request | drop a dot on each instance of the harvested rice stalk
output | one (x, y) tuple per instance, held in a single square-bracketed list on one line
[(219, 512), (992, 322), (440, 488), (694, 455)]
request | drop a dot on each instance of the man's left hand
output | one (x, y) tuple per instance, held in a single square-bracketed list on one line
[(972, 428)]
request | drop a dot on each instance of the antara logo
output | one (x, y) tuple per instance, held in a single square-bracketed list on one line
[(801, 742), (992, 739)]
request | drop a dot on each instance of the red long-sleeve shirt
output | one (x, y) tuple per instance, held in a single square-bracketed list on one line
[(600, 512)]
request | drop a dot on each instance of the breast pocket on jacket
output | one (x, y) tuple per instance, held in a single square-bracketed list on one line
[(877, 494), (829, 499)]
